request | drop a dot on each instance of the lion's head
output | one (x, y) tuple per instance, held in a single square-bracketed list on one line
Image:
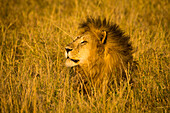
[(84, 48), (101, 50)]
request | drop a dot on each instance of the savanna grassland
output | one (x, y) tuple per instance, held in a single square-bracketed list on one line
[(33, 34)]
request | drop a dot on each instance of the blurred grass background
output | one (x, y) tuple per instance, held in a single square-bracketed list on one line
[(33, 34)]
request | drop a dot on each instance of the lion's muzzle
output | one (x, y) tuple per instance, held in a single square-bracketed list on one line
[(70, 61)]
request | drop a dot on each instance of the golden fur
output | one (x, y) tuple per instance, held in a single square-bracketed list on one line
[(100, 55)]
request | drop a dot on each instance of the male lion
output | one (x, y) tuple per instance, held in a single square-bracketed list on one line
[(100, 55)]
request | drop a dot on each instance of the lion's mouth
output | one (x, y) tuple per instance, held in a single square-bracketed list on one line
[(74, 60)]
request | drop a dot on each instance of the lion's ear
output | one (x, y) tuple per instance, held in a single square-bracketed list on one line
[(104, 37)]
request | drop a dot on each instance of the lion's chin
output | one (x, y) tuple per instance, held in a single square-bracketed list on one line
[(71, 62)]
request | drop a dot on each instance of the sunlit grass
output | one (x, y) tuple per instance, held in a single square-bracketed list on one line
[(33, 34)]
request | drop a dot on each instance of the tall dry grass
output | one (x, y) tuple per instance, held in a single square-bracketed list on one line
[(33, 34)]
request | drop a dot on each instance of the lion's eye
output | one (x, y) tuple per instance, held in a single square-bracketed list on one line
[(83, 42)]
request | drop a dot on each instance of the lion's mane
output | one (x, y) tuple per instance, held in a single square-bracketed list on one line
[(113, 59)]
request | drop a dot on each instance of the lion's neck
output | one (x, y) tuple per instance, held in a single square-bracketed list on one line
[(101, 68), (95, 70)]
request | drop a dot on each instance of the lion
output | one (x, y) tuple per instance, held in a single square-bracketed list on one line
[(100, 55)]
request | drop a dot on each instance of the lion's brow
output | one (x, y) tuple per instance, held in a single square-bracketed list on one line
[(78, 37)]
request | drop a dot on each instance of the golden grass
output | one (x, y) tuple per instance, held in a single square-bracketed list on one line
[(33, 34)]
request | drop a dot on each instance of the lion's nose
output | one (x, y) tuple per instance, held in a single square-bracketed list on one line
[(68, 49)]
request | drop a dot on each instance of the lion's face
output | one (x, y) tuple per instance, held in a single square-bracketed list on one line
[(79, 51)]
